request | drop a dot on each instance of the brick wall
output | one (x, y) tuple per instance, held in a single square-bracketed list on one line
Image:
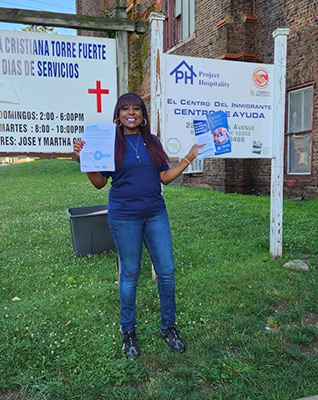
[(301, 18), (242, 29), (238, 30), (94, 8), (227, 32)]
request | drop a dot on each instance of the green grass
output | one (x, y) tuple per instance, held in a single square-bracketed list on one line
[(62, 340)]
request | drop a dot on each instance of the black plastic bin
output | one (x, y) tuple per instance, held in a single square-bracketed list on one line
[(90, 230)]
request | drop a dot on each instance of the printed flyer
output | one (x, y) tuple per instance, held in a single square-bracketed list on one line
[(99, 148), (214, 133), (203, 136)]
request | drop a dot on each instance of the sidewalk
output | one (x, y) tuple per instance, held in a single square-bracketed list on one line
[(309, 398)]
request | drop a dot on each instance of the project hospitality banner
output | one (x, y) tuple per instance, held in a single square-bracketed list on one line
[(241, 95), (51, 86)]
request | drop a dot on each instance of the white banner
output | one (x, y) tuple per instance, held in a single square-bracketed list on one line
[(51, 86), (240, 92)]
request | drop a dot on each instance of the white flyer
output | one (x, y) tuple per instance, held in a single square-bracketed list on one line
[(98, 151), (203, 136)]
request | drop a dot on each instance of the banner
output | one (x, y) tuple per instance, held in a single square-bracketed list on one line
[(51, 86), (241, 95)]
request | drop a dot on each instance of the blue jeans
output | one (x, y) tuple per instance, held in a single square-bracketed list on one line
[(129, 236)]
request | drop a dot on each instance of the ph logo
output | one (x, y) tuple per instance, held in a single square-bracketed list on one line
[(184, 72)]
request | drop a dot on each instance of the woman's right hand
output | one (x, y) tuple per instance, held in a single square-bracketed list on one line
[(77, 147), (97, 179)]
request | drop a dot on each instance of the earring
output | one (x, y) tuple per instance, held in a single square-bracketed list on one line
[(118, 124), (144, 122)]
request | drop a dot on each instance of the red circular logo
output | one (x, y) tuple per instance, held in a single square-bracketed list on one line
[(261, 78)]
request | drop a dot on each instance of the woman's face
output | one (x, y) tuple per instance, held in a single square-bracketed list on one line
[(131, 117)]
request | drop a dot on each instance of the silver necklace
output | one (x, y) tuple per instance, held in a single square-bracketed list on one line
[(135, 148)]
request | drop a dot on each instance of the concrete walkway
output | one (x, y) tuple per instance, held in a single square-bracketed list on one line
[(309, 398)]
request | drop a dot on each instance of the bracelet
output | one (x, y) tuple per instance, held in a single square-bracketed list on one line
[(185, 159)]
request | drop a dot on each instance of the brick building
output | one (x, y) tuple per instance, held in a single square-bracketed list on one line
[(241, 30)]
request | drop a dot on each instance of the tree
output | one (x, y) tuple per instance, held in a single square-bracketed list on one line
[(40, 29)]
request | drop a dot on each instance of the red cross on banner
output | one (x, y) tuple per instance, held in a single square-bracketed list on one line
[(98, 91)]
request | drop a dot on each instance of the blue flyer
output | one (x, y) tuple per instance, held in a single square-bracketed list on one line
[(220, 132), (203, 136)]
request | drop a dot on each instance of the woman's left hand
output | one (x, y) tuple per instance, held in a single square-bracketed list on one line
[(173, 172), (193, 153)]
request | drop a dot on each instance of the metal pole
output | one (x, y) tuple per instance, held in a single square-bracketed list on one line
[(277, 174)]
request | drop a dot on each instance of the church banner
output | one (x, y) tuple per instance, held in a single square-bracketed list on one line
[(231, 101), (51, 86)]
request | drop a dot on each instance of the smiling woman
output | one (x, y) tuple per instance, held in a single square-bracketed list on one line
[(137, 214)]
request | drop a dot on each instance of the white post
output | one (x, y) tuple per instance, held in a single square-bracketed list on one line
[(277, 175), (122, 51), (156, 77), (156, 71)]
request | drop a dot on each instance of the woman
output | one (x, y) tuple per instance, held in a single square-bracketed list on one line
[(137, 214)]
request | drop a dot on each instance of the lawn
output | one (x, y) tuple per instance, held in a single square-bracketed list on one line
[(251, 326)]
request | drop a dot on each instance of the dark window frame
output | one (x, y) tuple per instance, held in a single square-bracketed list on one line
[(172, 30), (298, 176)]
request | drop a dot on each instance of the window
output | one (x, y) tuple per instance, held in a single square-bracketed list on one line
[(179, 24), (299, 131), (195, 167)]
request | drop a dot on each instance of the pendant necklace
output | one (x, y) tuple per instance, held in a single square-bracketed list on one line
[(135, 148)]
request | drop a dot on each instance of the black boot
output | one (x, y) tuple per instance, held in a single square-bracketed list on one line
[(130, 345), (172, 338)]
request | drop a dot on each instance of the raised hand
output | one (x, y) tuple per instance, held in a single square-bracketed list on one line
[(193, 153), (77, 147)]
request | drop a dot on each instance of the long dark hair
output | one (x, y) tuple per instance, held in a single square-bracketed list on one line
[(153, 145)]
